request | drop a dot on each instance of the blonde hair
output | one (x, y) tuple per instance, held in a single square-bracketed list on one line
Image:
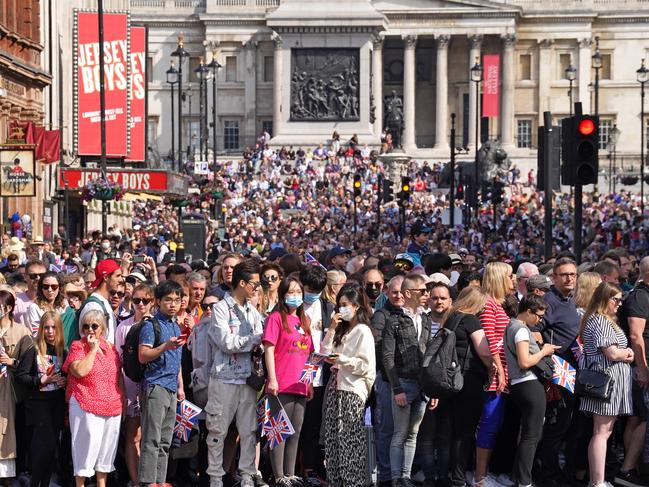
[(333, 277), (599, 304), (587, 282), (59, 340), (96, 316), (470, 301), (495, 280)]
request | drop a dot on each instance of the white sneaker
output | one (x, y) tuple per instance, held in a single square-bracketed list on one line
[(504, 479), (488, 481)]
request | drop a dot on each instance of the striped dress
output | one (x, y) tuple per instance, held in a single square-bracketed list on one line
[(600, 333), (494, 322)]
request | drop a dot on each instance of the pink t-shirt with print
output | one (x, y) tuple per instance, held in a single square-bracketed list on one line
[(292, 350)]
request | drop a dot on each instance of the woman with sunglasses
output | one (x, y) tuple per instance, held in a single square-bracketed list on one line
[(49, 297), (40, 372), (271, 276), (143, 301), (15, 340), (335, 281), (605, 348), (95, 396), (287, 343)]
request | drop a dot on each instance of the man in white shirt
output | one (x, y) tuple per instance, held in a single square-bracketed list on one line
[(108, 279), (34, 269)]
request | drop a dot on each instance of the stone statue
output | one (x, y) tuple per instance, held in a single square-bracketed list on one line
[(493, 161), (394, 118)]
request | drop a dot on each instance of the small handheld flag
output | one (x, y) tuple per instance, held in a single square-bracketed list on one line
[(276, 425), (3, 368), (186, 416), (310, 260), (308, 373), (577, 349), (564, 374)]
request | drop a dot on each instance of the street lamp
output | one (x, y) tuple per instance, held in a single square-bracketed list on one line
[(642, 75), (214, 66), (596, 62), (476, 77), (571, 75), (611, 145), (172, 79), (180, 53), (201, 73)]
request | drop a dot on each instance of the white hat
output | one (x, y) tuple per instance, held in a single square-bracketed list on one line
[(16, 245), (439, 277)]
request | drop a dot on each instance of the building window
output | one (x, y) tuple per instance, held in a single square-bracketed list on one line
[(152, 131), (605, 127), (231, 68), (269, 66), (267, 126), (525, 67), (149, 69), (194, 62), (605, 72), (564, 63), (231, 134), (524, 134)]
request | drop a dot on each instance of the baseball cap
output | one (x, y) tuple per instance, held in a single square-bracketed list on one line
[(464, 251), (338, 250), (134, 277), (104, 268), (455, 258), (404, 261), (540, 281), (439, 277)]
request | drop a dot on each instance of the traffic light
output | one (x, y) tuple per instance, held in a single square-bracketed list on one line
[(555, 159), (404, 194), (459, 194), (388, 192), (357, 185), (497, 192), (580, 146)]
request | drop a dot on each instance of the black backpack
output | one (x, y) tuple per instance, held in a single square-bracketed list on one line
[(441, 372), (133, 369)]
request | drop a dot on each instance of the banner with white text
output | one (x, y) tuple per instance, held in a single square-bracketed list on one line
[(137, 94), (491, 85)]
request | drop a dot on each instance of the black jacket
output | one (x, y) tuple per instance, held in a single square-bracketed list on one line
[(402, 353), (379, 319)]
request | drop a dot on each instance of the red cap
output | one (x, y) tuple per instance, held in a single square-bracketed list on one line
[(104, 268)]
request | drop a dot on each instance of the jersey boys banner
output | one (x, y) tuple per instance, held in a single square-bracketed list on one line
[(491, 85), (116, 83), (137, 93)]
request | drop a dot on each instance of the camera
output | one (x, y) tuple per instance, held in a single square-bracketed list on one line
[(138, 259)]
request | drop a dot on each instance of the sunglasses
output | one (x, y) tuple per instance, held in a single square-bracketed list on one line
[(119, 294), (206, 306), (35, 276), (143, 301), (91, 326), (52, 287), (271, 278)]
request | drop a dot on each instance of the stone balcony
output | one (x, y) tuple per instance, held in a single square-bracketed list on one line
[(204, 6)]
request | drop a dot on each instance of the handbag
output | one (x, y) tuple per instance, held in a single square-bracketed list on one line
[(594, 383), (544, 369), (257, 377)]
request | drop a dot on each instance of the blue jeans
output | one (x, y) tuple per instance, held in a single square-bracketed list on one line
[(383, 427), (406, 426)]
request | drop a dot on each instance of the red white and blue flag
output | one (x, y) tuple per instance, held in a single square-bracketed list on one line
[(263, 413), (564, 374), (186, 417), (317, 358), (3, 368), (310, 260), (278, 428), (308, 373), (577, 349)]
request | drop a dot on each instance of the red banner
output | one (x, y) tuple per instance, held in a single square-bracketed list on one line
[(137, 94), (491, 85), (87, 115), (133, 180)]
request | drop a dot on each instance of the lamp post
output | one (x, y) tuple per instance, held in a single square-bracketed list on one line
[(180, 53), (214, 66), (201, 73), (571, 75), (642, 77), (476, 77), (611, 146), (172, 79), (596, 63)]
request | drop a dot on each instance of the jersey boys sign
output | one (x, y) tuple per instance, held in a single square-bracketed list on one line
[(137, 93), (116, 83)]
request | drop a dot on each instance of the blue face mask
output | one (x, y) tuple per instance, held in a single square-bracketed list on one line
[(310, 298), (293, 301)]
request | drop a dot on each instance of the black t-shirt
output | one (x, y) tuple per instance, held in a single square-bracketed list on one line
[(464, 326), (636, 305)]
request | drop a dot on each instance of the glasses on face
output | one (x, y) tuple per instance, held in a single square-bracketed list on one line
[(271, 278), (143, 301), (50, 287), (617, 300), (90, 326), (540, 316), (73, 297), (206, 306), (254, 284), (567, 275), (119, 294), (35, 276), (422, 291), (374, 285)]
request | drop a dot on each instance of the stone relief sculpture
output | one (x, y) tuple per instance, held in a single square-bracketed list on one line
[(493, 160), (325, 85)]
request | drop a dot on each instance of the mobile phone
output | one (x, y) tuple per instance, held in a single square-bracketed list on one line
[(50, 369), (138, 259), (551, 337)]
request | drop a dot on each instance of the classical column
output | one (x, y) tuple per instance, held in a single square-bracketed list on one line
[(250, 86), (583, 77), (377, 84), (409, 87), (474, 55), (441, 99), (507, 96), (277, 84), (545, 77)]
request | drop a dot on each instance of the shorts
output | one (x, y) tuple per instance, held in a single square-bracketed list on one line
[(491, 420)]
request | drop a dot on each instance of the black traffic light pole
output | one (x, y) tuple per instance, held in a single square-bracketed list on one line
[(578, 201), (451, 196), (547, 182), (379, 193)]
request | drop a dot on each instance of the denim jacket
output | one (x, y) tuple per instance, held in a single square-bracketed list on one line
[(232, 338)]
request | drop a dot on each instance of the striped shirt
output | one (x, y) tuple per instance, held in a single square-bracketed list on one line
[(494, 321)]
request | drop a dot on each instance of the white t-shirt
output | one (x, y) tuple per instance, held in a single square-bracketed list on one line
[(523, 335), (314, 312)]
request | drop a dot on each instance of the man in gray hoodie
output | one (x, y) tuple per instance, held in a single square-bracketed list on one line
[(235, 331)]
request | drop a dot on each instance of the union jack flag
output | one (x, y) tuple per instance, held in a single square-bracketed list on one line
[(564, 374), (3, 368), (317, 358), (577, 349), (56, 268), (34, 327), (278, 428), (186, 416), (310, 260), (263, 413), (308, 373)]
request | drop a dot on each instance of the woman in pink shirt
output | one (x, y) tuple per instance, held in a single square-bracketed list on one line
[(95, 395), (287, 341)]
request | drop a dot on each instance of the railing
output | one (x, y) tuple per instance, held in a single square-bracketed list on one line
[(189, 3), (148, 3)]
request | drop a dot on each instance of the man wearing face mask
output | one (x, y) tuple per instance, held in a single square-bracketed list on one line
[(314, 280), (373, 284)]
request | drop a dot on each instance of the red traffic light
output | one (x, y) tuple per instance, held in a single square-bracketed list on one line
[(586, 126)]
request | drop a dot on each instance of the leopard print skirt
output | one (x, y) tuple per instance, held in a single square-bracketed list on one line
[(344, 437)]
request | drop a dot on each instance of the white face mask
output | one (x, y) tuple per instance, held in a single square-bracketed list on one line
[(347, 313)]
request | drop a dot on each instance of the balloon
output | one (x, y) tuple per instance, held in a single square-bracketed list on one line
[(26, 219), (15, 217)]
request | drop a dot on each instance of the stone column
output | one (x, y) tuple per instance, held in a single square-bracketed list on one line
[(545, 76), (377, 84), (277, 84), (507, 113), (583, 74), (409, 88), (474, 55), (250, 84), (441, 90)]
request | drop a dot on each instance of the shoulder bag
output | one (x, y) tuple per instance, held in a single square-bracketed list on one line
[(596, 383)]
